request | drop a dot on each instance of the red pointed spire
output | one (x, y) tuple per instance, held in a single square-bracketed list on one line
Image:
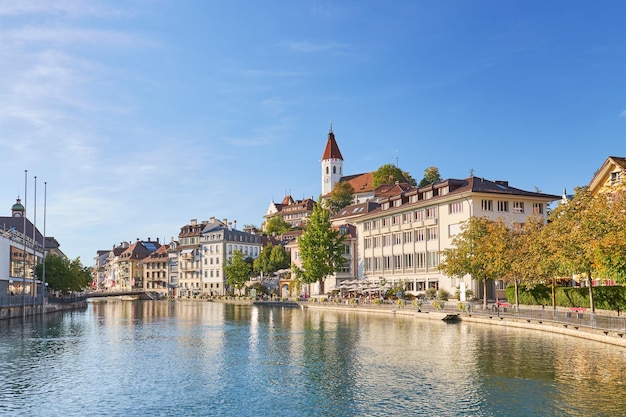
[(332, 149)]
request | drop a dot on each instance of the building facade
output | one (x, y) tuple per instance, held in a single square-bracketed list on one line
[(402, 242)]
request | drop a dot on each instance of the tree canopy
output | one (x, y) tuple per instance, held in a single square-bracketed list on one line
[(341, 196), (237, 270), (389, 174), (277, 226), (63, 274), (321, 247), (271, 259), (431, 176)]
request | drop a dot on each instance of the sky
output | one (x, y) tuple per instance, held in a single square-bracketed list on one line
[(137, 116)]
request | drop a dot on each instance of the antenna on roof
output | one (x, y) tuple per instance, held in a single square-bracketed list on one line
[(331, 125), (471, 172)]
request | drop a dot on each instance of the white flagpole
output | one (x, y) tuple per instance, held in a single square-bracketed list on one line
[(24, 240), (34, 245), (43, 275)]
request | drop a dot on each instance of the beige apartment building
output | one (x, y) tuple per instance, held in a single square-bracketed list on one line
[(402, 241)]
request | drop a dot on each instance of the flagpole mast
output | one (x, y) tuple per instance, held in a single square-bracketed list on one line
[(34, 286), (24, 241), (43, 274)]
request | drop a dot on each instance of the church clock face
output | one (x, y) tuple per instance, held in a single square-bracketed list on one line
[(327, 180)]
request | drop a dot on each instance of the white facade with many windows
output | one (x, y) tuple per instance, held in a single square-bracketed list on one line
[(403, 240)]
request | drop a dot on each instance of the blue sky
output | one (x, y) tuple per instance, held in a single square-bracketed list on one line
[(143, 114)]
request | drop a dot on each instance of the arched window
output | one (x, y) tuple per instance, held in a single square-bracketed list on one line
[(334, 170), (327, 170)]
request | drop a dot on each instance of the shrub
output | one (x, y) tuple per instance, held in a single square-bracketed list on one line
[(431, 293), (443, 295), (417, 303), (400, 302), (438, 304), (378, 301)]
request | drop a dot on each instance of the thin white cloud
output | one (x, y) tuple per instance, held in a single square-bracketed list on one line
[(623, 114), (309, 47), (72, 8), (63, 35)]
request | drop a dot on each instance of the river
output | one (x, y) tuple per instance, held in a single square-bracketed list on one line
[(165, 358)]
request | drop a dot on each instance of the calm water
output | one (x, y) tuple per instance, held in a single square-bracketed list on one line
[(163, 358)]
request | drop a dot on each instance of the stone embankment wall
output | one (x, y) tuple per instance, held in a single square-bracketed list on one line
[(29, 310)]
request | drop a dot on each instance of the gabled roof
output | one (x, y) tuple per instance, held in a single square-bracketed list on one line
[(390, 190), (601, 176), (361, 183), (139, 250)]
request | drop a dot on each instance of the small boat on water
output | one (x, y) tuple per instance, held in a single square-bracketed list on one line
[(129, 297)]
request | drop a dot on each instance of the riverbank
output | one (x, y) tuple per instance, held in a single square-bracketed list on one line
[(11, 312), (613, 337)]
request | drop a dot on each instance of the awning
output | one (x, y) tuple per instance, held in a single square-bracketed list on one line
[(185, 251)]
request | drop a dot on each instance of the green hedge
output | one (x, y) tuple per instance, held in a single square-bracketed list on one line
[(606, 298)]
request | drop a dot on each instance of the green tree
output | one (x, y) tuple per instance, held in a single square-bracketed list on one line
[(63, 274), (321, 247), (431, 176), (237, 270), (576, 229), (271, 259), (341, 196), (389, 174), (277, 226), (469, 253)]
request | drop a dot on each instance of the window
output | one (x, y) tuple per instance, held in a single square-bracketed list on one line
[(419, 235), (420, 260), (386, 262), (518, 207), (334, 170), (367, 226), (428, 194), (503, 206), (377, 224), (397, 238), (377, 264), (387, 240), (408, 237), (397, 203), (433, 259), (431, 213), (487, 205), (408, 260), (454, 229), (456, 207), (396, 219), (368, 243), (378, 242), (616, 177), (397, 262), (537, 208), (432, 233), (368, 264), (406, 218), (418, 215), (386, 222)]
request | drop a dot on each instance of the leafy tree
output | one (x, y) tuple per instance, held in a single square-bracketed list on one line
[(321, 247), (279, 258), (389, 174), (237, 270), (341, 196), (277, 225), (271, 259), (469, 253), (63, 274), (431, 176), (610, 250), (576, 228)]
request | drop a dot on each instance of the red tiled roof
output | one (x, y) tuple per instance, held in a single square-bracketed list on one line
[(332, 149), (361, 183)]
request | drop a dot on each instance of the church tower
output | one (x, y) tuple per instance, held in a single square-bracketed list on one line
[(18, 209), (332, 163)]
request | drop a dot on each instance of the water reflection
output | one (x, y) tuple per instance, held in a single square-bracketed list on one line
[(165, 358)]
